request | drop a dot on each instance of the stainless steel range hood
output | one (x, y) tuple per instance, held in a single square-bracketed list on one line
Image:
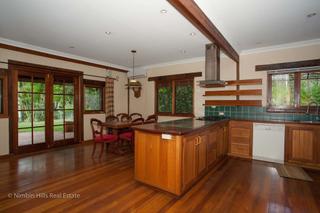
[(212, 66)]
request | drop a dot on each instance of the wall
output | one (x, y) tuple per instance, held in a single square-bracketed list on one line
[(145, 104), (120, 96)]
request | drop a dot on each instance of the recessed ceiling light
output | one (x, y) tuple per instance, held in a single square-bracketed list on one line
[(71, 47), (163, 11), (311, 15), (192, 34), (108, 33)]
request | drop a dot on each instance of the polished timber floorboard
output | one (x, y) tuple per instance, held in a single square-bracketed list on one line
[(108, 185)]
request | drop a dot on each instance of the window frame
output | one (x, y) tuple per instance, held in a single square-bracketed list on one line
[(4, 78), (94, 84), (297, 108), (172, 82)]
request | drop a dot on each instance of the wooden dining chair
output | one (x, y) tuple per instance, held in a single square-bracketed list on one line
[(135, 115), (119, 115), (99, 137), (129, 135), (125, 118), (152, 119), (112, 118)]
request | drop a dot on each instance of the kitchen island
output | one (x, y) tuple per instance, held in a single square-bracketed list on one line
[(174, 155)]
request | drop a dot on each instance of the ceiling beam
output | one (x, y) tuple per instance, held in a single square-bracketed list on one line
[(190, 10), (288, 65), (53, 56)]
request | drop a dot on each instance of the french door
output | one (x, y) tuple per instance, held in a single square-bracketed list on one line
[(45, 109)]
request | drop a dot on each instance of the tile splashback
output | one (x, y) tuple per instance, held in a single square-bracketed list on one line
[(256, 113)]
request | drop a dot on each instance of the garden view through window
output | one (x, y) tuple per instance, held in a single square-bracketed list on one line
[(294, 90), (175, 97), (94, 96)]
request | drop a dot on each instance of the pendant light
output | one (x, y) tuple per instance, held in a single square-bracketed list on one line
[(134, 84)]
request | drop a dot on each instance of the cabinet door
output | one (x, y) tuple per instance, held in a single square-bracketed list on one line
[(212, 146), (202, 154), (302, 145), (225, 140), (220, 142), (189, 158)]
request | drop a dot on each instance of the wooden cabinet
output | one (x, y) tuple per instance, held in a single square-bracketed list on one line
[(189, 159), (174, 165), (240, 139), (158, 161), (212, 147), (194, 157), (303, 145)]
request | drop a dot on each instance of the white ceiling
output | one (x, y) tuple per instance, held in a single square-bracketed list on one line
[(158, 38), (251, 24), (134, 24)]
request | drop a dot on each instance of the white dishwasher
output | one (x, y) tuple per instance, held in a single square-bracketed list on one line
[(268, 142)]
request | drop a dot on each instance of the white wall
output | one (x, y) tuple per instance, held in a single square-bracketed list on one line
[(145, 104), (120, 93)]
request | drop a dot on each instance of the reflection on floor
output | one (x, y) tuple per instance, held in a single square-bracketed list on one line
[(108, 185), (24, 138)]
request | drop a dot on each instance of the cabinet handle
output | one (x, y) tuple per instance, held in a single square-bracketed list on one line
[(200, 141), (197, 141)]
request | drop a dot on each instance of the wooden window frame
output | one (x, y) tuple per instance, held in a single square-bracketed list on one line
[(4, 78), (297, 108), (94, 84), (172, 82)]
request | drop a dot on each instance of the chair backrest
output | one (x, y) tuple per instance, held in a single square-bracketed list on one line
[(112, 118), (152, 119), (119, 115), (96, 127), (135, 115), (125, 118), (137, 121)]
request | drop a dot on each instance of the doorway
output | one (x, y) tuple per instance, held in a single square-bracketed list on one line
[(46, 107)]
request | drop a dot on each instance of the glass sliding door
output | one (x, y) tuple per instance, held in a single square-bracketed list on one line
[(44, 107), (63, 102), (31, 110)]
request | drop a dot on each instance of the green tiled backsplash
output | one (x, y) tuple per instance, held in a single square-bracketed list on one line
[(256, 113)]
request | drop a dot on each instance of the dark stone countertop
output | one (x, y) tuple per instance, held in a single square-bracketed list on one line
[(177, 127), (185, 126)]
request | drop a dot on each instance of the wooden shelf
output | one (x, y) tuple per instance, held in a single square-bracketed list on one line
[(256, 92), (233, 103), (236, 83)]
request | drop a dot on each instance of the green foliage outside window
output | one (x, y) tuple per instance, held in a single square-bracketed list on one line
[(284, 89), (310, 88), (93, 99), (184, 98), (183, 91), (165, 99)]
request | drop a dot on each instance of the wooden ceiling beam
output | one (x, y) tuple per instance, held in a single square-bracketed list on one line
[(190, 10)]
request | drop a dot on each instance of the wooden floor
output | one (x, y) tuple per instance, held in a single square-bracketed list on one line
[(108, 186)]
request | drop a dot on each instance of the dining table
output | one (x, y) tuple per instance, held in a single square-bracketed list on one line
[(116, 127)]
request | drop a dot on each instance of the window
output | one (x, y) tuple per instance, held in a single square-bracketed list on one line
[(94, 96), (174, 97), (293, 92), (3, 94)]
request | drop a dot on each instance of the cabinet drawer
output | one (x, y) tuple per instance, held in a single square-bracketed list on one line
[(240, 132), (241, 124), (240, 149), (240, 140)]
